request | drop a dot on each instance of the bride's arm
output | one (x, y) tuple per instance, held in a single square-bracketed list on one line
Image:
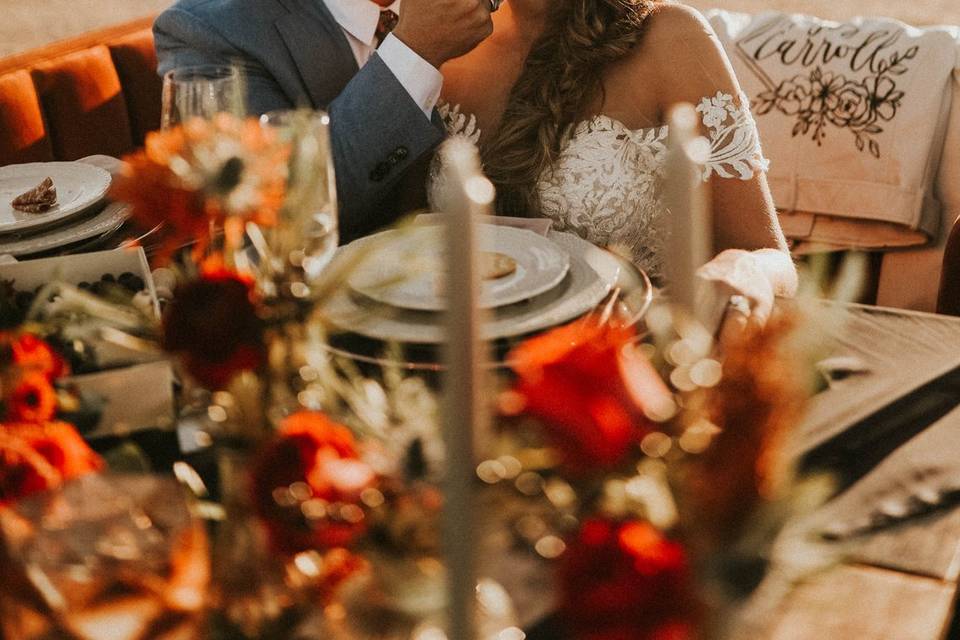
[(692, 67)]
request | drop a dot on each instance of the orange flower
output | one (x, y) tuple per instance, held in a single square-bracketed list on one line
[(32, 353), (306, 485), (33, 399), (193, 177), (36, 458), (588, 387)]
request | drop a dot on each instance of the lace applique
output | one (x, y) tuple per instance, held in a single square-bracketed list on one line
[(605, 187), (606, 183), (457, 123), (734, 140)]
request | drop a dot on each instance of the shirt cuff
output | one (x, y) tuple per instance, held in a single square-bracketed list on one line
[(420, 78)]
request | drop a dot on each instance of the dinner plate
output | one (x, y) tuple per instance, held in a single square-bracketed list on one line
[(591, 274), (109, 219), (79, 186), (406, 268)]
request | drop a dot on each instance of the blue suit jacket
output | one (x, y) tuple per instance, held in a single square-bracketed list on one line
[(294, 53)]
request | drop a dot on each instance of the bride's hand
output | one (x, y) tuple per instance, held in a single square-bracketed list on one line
[(759, 276)]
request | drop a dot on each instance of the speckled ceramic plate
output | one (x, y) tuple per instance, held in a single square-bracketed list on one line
[(406, 270), (79, 186), (591, 274)]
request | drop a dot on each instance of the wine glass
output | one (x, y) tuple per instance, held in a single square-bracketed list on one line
[(201, 92), (308, 231)]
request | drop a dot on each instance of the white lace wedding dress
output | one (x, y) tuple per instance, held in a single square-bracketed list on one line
[(606, 185)]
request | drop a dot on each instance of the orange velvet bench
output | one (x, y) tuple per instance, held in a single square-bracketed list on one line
[(98, 93)]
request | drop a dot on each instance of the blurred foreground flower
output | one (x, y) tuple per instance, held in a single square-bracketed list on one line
[(626, 581), (35, 458), (307, 483), (30, 353), (192, 178), (590, 388), (213, 323)]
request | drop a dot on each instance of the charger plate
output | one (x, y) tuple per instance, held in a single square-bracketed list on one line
[(98, 224), (591, 274)]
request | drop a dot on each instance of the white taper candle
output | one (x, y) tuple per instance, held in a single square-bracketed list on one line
[(690, 236), (469, 195)]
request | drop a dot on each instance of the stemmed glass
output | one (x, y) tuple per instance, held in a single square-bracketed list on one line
[(201, 92), (308, 232)]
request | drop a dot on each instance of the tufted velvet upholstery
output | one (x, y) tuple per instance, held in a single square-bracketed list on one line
[(95, 94)]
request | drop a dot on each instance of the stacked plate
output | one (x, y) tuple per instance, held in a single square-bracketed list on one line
[(80, 214), (530, 282)]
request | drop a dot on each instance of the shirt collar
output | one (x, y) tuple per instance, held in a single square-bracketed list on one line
[(359, 18)]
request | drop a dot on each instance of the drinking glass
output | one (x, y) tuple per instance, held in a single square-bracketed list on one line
[(201, 92), (307, 233), (105, 556)]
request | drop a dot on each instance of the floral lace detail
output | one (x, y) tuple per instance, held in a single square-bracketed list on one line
[(457, 125), (606, 185), (734, 139)]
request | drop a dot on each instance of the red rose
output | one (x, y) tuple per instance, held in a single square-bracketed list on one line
[(36, 458), (587, 384), (33, 354), (307, 482), (32, 400), (213, 323), (626, 581)]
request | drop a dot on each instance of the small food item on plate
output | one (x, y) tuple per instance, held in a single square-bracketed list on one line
[(39, 199), (494, 266)]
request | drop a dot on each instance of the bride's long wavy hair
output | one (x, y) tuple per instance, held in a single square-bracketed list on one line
[(561, 78)]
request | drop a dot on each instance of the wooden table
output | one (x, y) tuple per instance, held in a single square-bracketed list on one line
[(896, 581)]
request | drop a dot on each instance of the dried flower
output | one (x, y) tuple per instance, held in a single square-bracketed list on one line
[(761, 396)]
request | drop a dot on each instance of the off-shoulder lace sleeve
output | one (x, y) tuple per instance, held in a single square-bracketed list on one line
[(734, 139)]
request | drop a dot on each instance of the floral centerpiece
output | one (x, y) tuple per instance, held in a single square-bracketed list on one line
[(628, 465)]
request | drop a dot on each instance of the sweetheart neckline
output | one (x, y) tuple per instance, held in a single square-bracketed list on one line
[(619, 124)]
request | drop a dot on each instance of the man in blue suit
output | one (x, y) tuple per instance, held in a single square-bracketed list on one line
[(375, 72)]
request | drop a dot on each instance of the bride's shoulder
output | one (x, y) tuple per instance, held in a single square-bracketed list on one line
[(676, 31), (684, 52), (672, 21)]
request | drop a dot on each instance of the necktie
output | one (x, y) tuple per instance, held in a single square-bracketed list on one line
[(388, 20)]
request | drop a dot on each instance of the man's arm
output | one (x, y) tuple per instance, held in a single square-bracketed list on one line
[(377, 129), (182, 40)]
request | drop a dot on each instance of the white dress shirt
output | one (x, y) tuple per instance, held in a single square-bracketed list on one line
[(358, 19)]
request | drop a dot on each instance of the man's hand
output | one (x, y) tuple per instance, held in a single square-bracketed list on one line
[(438, 30)]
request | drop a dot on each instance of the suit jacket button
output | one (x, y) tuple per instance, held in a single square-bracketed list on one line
[(401, 152), (380, 172)]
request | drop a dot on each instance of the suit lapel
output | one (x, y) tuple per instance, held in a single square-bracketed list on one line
[(319, 49)]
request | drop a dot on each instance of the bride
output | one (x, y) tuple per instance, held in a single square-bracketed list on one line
[(569, 98)]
